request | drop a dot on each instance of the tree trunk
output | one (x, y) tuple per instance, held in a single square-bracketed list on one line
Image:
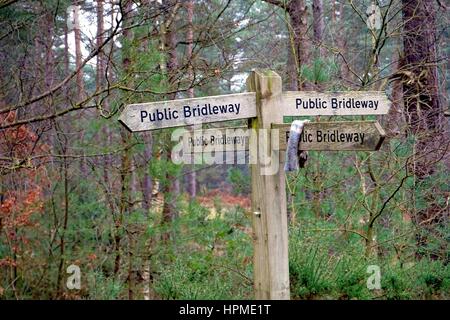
[(299, 44), (100, 74), (421, 88), (125, 170), (100, 81), (171, 185), (127, 156), (78, 54), (318, 26), (341, 43), (191, 177), (80, 75), (66, 56), (420, 81), (298, 13), (424, 112), (147, 184)]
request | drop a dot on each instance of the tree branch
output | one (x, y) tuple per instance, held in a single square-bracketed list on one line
[(282, 4), (5, 3), (60, 85)]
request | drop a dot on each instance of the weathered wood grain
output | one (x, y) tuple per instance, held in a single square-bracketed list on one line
[(238, 138), (271, 263), (311, 103), (183, 112), (369, 136)]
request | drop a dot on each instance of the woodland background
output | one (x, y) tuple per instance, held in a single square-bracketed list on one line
[(77, 188)]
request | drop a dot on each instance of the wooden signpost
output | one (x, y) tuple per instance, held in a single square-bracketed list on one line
[(268, 197), (265, 105)]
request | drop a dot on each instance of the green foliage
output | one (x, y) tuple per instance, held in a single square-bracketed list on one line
[(239, 181), (323, 270), (308, 274), (101, 287), (320, 71), (163, 169), (207, 257), (198, 280)]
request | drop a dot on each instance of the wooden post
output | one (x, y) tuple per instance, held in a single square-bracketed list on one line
[(270, 262)]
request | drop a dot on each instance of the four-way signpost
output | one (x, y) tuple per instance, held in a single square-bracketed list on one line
[(265, 105)]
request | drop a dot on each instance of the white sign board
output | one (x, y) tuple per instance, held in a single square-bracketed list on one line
[(351, 103), (184, 112)]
